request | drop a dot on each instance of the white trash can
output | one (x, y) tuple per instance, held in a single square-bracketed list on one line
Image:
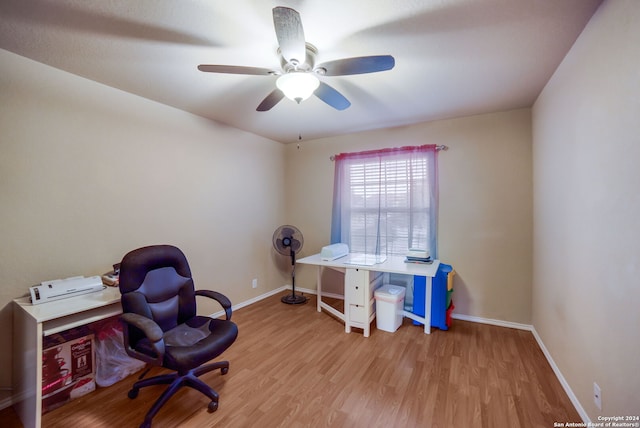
[(389, 307)]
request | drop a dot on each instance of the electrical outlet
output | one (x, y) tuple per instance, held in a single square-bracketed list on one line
[(597, 396), (254, 283)]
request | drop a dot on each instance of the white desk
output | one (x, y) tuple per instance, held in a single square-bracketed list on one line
[(31, 323), (393, 264)]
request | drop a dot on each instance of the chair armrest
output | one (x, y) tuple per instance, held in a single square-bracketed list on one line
[(151, 330), (221, 298)]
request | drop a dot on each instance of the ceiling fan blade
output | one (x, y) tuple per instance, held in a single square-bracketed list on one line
[(271, 100), (290, 34), (332, 97), (236, 69), (357, 65)]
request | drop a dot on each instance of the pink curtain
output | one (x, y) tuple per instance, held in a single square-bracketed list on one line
[(385, 201)]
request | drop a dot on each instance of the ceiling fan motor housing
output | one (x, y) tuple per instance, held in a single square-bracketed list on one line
[(294, 65)]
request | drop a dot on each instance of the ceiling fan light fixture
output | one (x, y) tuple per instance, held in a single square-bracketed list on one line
[(298, 86)]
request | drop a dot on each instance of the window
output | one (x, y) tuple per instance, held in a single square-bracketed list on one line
[(385, 201)]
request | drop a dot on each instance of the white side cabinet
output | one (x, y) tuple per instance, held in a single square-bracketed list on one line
[(31, 323), (360, 286)]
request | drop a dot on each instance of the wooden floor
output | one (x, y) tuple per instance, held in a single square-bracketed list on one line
[(294, 367)]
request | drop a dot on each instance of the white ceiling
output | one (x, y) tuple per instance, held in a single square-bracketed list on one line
[(453, 57)]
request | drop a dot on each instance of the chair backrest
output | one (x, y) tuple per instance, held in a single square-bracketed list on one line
[(156, 282)]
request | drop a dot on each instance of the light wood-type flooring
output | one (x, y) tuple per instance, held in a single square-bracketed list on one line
[(292, 366)]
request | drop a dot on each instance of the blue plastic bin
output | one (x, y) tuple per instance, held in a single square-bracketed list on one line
[(438, 297)]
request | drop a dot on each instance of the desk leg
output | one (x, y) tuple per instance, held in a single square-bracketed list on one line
[(367, 305), (347, 312), (319, 291), (27, 374), (427, 304)]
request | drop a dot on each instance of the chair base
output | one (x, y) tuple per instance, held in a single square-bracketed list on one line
[(175, 382)]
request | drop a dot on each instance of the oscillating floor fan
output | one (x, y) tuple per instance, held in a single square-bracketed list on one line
[(288, 240)]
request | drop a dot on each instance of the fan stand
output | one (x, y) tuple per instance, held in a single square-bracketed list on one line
[(293, 299)]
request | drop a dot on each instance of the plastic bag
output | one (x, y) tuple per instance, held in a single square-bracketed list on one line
[(112, 362)]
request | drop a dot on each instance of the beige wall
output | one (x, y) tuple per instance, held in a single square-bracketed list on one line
[(88, 173), (485, 223), (586, 145)]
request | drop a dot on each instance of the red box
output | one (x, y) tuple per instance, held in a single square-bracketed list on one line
[(449, 311), (68, 370)]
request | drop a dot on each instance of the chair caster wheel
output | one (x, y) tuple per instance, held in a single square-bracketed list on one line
[(212, 407), (224, 370), (133, 393)]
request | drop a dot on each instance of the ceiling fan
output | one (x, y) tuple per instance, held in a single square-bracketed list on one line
[(298, 78)]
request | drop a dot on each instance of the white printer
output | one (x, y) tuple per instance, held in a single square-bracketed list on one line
[(334, 251), (62, 288)]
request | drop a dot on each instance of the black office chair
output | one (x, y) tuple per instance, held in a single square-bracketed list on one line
[(161, 325)]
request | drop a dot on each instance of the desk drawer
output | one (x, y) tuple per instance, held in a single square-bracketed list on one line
[(357, 313), (358, 282), (362, 313)]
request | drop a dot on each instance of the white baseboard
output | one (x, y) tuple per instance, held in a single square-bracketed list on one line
[(565, 385), (499, 323), (315, 292), (250, 301), (301, 290), (258, 298), (310, 291), (264, 296), (6, 402)]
